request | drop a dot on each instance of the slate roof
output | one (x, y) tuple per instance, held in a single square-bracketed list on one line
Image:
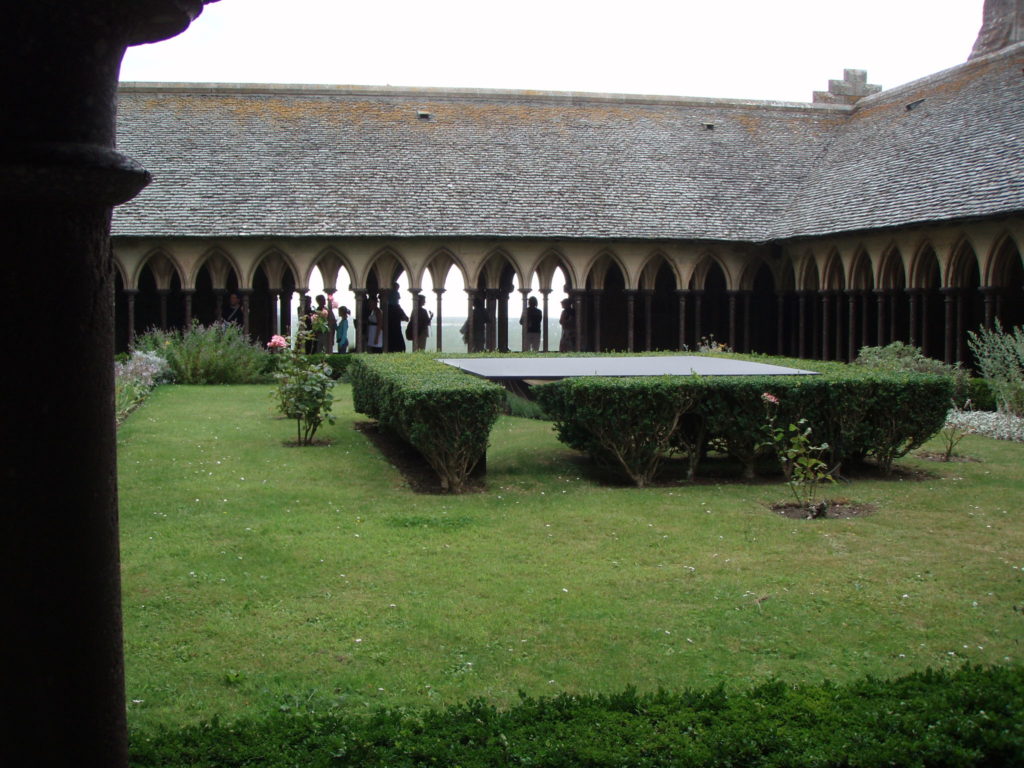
[(295, 161)]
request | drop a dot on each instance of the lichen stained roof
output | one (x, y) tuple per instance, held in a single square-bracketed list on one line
[(946, 147), (346, 161)]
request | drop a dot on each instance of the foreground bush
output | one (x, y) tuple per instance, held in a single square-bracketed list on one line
[(214, 354), (971, 717), (444, 413)]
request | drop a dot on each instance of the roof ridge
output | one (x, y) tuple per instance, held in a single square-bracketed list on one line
[(470, 94)]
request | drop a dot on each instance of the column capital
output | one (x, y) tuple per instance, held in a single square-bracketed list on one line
[(439, 291)]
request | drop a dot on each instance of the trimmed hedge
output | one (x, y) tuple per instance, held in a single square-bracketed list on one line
[(857, 410), (624, 424), (444, 413), (970, 717)]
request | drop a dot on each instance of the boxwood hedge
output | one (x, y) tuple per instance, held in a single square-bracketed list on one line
[(858, 411), (970, 717), (444, 413)]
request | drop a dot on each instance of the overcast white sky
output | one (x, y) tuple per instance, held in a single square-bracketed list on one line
[(761, 49)]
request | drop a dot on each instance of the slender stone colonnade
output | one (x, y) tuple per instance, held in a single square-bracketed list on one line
[(822, 298)]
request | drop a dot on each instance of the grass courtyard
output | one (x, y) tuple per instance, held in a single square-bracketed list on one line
[(258, 576)]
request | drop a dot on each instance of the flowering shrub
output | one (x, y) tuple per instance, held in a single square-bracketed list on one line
[(304, 392), (277, 342), (215, 354), (134, 379), (801, 461)]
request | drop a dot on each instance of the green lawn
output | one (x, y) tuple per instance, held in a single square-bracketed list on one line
[(258, 575)]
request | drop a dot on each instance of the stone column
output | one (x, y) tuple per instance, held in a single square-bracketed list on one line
[(246, 297), (275, 311), (630, 316), (187, 298), (825, 331), (577, 296), (989, 296), (491, 303), (912, 299), (596, 294), (162, 294), (746, 320), (698, 309), (648, 324), (414, 317), (865, 318), (961, 298), (544, 293), (839, 325), (437, 317), (949, 296), (525, 292), (851, 331), (60, 176), (218, 309), (360, 324), (129, 295), (881, 297), (802, 320), (681, 295), (502, 320), (780, 323), (893, 299), (471, 341), (732, 319)]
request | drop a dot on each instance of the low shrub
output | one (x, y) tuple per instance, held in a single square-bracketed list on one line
[(215, 354), (968, 717), (337, 363), (899, 357), (856, 410), (304, 393), (447, 415), (1000, 356), (625, 425)]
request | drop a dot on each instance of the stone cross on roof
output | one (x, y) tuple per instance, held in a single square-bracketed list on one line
[(851, 89)]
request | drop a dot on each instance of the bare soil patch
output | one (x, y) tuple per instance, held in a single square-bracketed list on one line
[(415, 470), (940, 456), (827, 509)]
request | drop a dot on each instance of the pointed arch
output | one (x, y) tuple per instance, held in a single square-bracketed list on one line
[(964, 266), (221, 265), (1005, 263), (276, 264), (597, 268), (1004, 292), (891, 271), (384, 268), (862, 277), (834, 274), (925, 271), (329, 261), (548, 264), (810, 276), (163, 266), (706, 266), (656, 261)]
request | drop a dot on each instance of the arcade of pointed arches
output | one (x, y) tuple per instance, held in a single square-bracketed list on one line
[(822, 298)]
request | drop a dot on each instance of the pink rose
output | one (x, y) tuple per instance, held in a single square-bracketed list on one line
[(768, 397)]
